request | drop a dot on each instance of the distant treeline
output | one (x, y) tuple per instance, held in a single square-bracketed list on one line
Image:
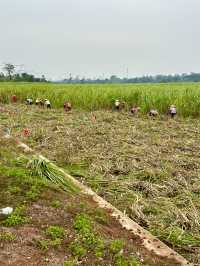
[(9, 74), (192, 77), (22, 77)]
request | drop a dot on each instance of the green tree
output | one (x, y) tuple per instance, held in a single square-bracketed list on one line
[(10, 69)]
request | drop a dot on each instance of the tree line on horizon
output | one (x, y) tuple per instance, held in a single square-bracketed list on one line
[(10, 74), (191, 77)]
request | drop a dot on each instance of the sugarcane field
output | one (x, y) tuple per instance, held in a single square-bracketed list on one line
[(76, 158)]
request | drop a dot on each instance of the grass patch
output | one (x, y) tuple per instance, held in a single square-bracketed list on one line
[(56, 204), (55, 232), (7, 236), (78, 250), (70, 263), (16, 218), (116, 246), (42, 244)]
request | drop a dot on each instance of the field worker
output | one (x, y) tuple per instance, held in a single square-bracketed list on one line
[(14, 98), (172, 111), (122, 105), (67, 106), (37, 101), (117, 105), (47, 104), (153, 112), (29, 101), (135, 110), (41, 103)]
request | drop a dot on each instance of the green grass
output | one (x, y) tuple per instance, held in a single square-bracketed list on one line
[(116, 246), (56, 204), (42, 244), (70, 263), (94, 97), (16, 218), (55, 232)]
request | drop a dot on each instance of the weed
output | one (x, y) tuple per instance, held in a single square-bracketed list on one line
[(7, 236), (78, 250), (122, 261), (88, 238), (43, 244), (116, 246), (55, 232), (33, 193), (99, 248), (56, 242), (70, 263), (82, 223), (16, 218), (101, 216), (56, 204), (14, 189), (83, 226)]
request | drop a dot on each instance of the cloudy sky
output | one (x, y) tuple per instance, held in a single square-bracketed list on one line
[(101, 37)]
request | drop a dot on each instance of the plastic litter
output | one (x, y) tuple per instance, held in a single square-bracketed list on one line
[(6, 211)]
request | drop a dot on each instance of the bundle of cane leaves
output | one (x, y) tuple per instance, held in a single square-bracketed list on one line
[(50, 172)]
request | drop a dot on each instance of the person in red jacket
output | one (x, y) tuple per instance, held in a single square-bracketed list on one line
[(14, 98)]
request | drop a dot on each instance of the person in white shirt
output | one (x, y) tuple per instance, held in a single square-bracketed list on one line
[(117, 105), (47, 104), (29, 101), (172, 111), (153, 112)]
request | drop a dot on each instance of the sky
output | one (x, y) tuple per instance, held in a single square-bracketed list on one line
[(99, 38)]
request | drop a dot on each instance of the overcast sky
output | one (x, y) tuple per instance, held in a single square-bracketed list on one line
[(101, 37)]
